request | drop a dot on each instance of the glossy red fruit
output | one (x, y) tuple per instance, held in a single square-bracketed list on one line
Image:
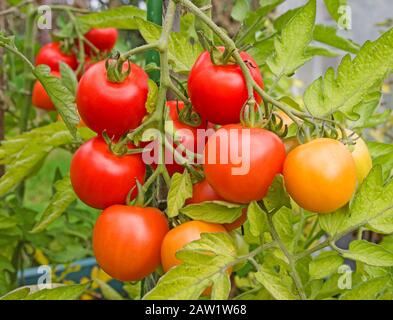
[(187, 136), (100, 178), (51, 55), (114, 107), (218, 92), (127, 241), (104, 39), (202, 191), (241, 163), (40, 98)]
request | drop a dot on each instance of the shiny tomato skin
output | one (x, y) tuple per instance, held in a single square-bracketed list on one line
[(187, 136), (262, 157), (40, 98), (320, 175), (202, 191), (127, 241), (51, 55), (181, 235), (218, 92), (100, 178), (114, 107), (104, 39)]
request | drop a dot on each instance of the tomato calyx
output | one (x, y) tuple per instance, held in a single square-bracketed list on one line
[(114, 69), (188, 116)]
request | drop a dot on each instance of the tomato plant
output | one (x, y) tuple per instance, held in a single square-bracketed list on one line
[(282, 182)]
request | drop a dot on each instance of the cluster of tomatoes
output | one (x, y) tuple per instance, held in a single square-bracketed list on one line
[(130, 242)]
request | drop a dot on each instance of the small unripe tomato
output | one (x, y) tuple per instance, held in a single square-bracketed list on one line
[(361, 156), (127, 241), (320, 175)]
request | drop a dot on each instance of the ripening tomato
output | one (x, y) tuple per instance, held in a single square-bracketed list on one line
[(100, 178), (186, 135), (104, 39), (40, 98), (241, 163), (51, 55), (181, 235), (218, 92), (114, 107), (127, 241), (320, 175), (361, 156), (202, 191)]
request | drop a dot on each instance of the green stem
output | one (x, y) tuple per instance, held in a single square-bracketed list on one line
[(28, 56), (154, 14), (291, 261)]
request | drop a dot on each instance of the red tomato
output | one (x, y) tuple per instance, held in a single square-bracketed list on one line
[(218, 92), (127, 241), (100, 178), (40, 98), (181, 235), (202, 191), (104, 39), (241, 163), (188, 137), (114, 107), (51, 55)]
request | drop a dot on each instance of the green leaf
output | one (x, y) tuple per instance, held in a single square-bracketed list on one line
[(120, 18), (59, 203), (181, 52), (325, 265), (179, 191), (71, 292), (328, 35), (107, 291), (277, 197), (68, 78), (345, 89), (274, 284), (24, 153), (283, 223), (262, 50), (333, 7), (60, 96), (369, 253), (18, 294), (213, 211), (240, 10), (290, 47), (367, 290), (257, 219), (320, 51), (203, 264), (221, 288), (151, 100), (372, 205), (382, 154)]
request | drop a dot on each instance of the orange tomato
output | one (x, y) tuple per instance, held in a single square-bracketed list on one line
[(320, 175), (181, 235)]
